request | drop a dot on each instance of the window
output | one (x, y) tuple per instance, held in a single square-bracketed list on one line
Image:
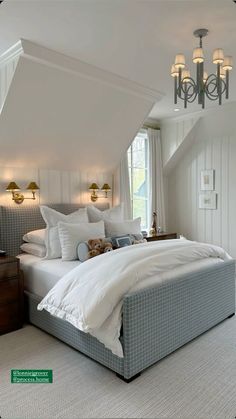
[(138, 162)]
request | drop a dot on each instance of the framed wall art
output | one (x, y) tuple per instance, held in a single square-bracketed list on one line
[(208, 180), (208, 200)]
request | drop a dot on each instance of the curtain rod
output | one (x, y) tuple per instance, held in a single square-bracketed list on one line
[(151, 126)]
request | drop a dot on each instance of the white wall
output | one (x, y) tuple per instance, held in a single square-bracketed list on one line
[(214, 147), (173, 132), (55, 186)]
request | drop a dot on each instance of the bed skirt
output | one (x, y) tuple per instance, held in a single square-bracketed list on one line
[(156, 321)]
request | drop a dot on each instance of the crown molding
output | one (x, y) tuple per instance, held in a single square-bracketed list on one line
[(53, 59), (11, 53)]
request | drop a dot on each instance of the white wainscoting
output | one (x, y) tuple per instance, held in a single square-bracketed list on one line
[(214, 148), (55, 186)]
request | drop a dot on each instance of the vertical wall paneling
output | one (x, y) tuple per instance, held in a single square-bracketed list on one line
[(213, 147), (174, 132), (225, 192), (55, 186), (208, 214), (65, 187), (6, 74), (217, 215), (201, 212), (232, 195)]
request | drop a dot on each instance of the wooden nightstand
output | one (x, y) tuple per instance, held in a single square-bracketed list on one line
[(161, 236), (11, 295)]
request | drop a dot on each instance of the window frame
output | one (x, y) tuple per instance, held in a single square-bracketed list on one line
[(142, 133)]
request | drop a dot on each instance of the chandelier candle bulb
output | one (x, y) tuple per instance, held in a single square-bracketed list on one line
[(185, 76), (174, 71), (222, 73), (205, 76)]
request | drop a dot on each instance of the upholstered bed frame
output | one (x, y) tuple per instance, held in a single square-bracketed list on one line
[(156, 321)]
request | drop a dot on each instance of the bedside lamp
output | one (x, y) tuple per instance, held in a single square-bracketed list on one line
[(18, 197), (94, 188)]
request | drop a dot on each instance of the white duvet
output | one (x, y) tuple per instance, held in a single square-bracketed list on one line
[(90, 296)]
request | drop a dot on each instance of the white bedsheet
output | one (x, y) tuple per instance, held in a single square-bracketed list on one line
[(40, 275), (90, 296)]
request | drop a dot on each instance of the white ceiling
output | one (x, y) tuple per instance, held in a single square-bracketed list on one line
[(136, 39)]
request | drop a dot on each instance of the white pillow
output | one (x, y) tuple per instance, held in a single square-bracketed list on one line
[(35, 236), (52, 218), (73, 234), (34, 249), (125, 227), (111, 214)]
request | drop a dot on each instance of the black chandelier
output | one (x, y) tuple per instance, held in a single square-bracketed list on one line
[(213, 86)]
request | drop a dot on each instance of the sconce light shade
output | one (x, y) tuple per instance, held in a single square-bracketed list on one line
[(12, 187), (93, 187), (106, 187), (33, 186)]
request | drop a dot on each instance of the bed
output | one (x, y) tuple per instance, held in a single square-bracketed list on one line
[(155, 321)]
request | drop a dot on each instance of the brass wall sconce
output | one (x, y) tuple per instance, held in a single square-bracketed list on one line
[(19, 197), (94, 188)]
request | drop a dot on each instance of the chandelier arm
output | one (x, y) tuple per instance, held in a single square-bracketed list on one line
[(175, 90), (212, 82), (224, 87), (210, 94), (185, 94), (201, 85), (180, 77), (219, 84), (227, 85)]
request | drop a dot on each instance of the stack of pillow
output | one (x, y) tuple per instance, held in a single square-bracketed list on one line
[(63, 233)]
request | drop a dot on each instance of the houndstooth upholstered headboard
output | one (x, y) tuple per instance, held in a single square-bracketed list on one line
[(16, 221)]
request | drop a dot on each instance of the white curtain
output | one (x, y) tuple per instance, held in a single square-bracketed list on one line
[(125, 196), (156, 178)]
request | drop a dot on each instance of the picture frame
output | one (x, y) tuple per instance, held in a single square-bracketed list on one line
[(121, 241), (208, 200), (208, 180)]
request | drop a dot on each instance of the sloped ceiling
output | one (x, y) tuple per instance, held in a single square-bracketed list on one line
[(64, 114), (136, 39)]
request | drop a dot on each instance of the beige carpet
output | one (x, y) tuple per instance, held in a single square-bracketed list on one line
[(199, 380)]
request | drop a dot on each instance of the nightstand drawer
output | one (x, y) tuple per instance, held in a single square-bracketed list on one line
[(9, 318), (169, 236), (8, 270), (9, 291)]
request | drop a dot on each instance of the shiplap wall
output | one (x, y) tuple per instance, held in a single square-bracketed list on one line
[(214, 147), (173, 133), (7, 70), (55, 186)]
